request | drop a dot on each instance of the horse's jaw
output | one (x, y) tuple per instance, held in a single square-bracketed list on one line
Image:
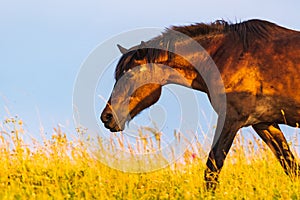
[(114, 127)]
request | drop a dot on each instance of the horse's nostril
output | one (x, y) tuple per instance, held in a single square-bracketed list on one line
[(106, 117), (109, 116)]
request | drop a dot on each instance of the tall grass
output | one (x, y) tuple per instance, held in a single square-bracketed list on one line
[(58, 168)]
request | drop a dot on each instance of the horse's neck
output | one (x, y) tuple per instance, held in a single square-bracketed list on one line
[(191, 65), (183, 73)]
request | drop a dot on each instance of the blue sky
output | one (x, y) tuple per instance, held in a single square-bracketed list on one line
[(44, 43)]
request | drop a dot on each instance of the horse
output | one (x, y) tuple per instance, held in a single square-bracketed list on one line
[(259, 64)]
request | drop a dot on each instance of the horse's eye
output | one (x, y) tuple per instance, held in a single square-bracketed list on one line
[(128, 74)]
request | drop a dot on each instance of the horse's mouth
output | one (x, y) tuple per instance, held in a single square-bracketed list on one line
[(113, 127)]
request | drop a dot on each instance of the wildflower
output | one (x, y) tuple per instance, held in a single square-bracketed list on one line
[(194, 155), (20, 122), (7, 120)]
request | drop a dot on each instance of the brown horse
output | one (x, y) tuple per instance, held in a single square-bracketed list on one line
[(259, 64)]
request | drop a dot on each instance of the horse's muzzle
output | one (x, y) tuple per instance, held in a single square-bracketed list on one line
[(109, 121)]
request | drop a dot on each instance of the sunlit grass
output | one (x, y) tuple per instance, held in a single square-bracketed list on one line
[(58, 168)]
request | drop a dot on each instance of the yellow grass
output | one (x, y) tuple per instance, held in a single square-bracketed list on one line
[(61, 169)]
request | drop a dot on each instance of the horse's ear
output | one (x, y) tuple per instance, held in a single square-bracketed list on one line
[(122, 49), (143, 44), (141, 51)]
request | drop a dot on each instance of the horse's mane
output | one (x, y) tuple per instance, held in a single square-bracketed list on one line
[(255, 27), (246, 32), (202, 28)]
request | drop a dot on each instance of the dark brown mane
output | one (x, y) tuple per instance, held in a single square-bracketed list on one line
[(246, 32), (127, 60), (258, 27), (202, 28), (123, 64)]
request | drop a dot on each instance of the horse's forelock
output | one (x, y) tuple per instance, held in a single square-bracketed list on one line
[(124, 64), (152, 55)]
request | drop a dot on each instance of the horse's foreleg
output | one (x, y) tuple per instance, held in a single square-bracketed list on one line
[(221, 145), (274, 138)]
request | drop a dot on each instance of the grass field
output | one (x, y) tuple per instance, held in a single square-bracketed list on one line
[(61, 169)]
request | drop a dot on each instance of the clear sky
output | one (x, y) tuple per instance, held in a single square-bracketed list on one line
[(44, 43)]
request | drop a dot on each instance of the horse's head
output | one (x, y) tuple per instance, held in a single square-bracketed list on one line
[(130, 94)]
